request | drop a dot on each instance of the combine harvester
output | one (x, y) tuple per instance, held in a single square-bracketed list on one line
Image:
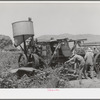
[(54, 52)]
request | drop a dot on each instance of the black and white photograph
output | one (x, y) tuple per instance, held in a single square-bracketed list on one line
[(49, 45)]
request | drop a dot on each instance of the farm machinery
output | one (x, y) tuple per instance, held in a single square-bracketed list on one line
[(58, 51), (52, 53), (96, 47)]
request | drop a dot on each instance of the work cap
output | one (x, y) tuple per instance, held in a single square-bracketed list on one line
[(89, 50)]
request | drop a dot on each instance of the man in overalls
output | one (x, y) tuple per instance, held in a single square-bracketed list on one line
[(89, 56)]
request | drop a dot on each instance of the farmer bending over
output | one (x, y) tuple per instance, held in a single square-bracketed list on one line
[(80, 60)]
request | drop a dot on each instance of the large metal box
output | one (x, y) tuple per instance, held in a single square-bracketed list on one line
[(20, 29)]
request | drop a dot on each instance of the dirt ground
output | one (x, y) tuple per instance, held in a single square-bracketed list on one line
[(9, 60), (85, 83)]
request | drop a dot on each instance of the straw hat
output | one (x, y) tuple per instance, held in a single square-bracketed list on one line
[(89, 50), (52, 40)]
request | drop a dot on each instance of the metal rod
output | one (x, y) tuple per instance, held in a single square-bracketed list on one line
[(91, 45), (21, 48), (25, 50), (32, 41)]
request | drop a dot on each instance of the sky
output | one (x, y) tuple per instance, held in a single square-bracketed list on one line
[(52, 18)]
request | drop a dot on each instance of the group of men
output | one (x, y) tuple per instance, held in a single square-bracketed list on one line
[(85, 62)]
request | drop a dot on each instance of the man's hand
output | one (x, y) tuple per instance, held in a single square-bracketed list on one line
[(66, 62), (72, 62), (30, 62)]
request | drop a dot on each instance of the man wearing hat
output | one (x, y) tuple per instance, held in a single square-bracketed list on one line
[(89, 61), (95, 51), (80, 60)]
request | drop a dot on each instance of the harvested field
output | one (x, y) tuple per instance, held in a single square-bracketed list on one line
[(9, 60), (86, 83)]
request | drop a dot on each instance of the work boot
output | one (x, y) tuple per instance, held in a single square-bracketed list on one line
[(86, 76), (98, 75), (91, 74)]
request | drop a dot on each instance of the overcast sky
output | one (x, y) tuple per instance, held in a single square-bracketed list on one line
[(52, 18)]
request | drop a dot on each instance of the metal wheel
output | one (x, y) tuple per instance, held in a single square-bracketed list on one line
[(97, 63)]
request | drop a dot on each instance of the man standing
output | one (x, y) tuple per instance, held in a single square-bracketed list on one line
[(89, 61), (95, 51)]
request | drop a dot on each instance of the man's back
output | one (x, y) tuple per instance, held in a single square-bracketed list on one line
[(89, 58), (79, 59)]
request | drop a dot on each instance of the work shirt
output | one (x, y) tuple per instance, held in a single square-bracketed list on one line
[(89, 57), (78, 58)]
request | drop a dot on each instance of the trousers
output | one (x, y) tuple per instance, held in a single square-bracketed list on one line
[(91, 67)]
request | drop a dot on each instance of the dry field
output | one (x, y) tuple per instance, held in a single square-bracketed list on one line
[(9, 60)]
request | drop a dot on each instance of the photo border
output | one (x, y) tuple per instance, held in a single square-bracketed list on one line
[(44, 93)]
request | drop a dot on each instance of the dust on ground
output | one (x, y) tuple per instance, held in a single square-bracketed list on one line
[(85, 83), (9, 60)]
